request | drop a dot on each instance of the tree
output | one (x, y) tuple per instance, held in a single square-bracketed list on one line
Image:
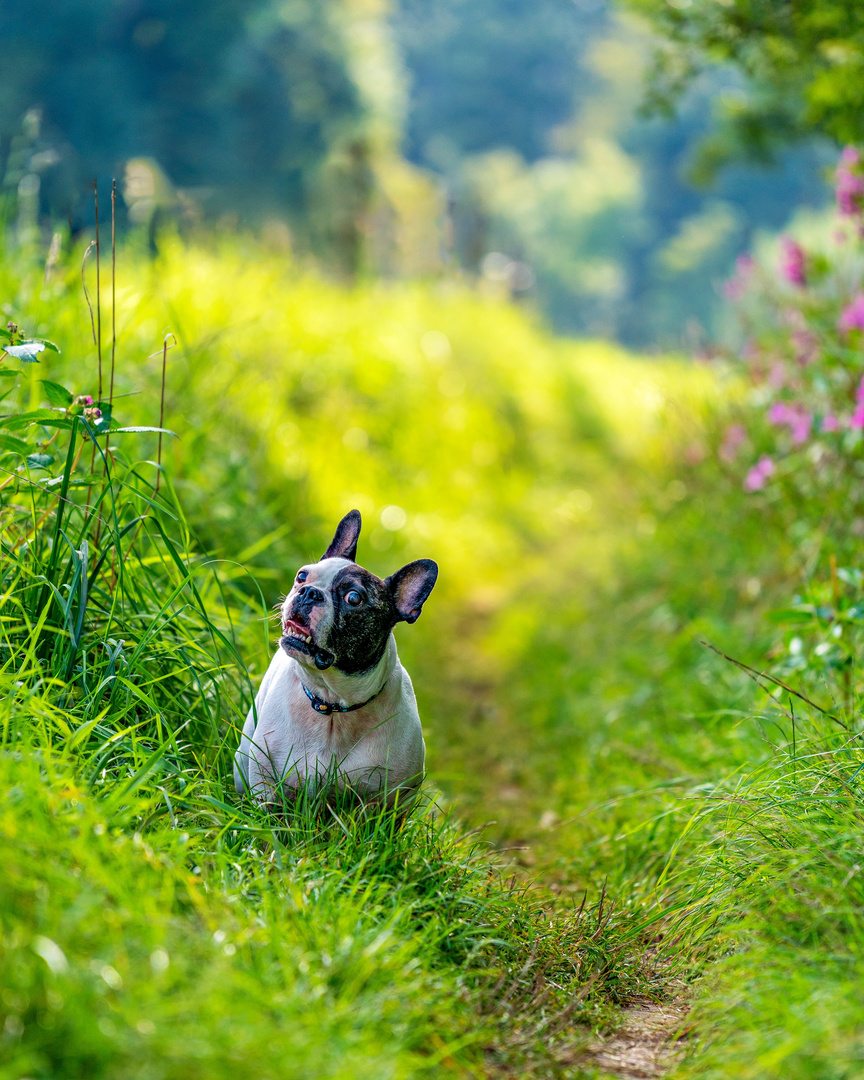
[(239, 101), (489, 74), (802, 62)]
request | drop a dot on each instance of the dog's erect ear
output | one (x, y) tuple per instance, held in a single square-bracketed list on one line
[(344, 543), (410, 588)]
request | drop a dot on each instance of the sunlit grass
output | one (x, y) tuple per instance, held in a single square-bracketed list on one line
[(589, 542), (355, 942)]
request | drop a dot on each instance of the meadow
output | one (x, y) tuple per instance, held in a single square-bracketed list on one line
[(617, 814)]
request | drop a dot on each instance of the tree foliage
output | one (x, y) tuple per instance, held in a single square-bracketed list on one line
[(488, 74), (803, 61), (240, 101)]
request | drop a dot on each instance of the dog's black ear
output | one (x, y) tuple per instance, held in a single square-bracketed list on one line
[(344, 543), (410, 588)]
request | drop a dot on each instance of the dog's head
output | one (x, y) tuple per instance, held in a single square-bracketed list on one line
[(338, 614)]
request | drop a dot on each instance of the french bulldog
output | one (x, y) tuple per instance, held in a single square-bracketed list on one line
[(335, 700)]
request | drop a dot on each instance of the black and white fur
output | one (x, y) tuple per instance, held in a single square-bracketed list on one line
[(337, 641)]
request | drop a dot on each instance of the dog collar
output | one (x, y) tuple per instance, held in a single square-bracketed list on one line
[(328, 707)]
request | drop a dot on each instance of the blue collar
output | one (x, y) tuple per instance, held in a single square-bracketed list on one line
[(328, 707)]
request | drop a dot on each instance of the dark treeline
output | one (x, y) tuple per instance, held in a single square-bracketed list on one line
[(239, 97)]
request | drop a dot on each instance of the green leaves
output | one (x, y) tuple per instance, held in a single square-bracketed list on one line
[(28, 351), (39, 461), (801, 64), (57, 394), (12, 444), (46, 417)]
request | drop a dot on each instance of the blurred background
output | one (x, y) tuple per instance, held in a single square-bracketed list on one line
[(503, 141)]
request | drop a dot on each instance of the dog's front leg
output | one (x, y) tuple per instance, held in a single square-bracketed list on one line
[(243, 755)]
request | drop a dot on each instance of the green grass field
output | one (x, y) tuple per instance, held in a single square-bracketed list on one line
[(616, 814)]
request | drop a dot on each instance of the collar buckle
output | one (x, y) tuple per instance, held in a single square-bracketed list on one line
[(327, 708)]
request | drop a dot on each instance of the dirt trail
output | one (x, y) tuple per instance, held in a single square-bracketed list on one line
[(642, 1048)]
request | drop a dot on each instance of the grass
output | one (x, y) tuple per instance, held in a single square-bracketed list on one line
[(153, 923), (654, 822)]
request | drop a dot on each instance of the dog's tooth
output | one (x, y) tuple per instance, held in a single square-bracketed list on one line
[(308, 639)]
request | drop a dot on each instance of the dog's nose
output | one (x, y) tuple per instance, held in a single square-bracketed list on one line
[(309, 595)]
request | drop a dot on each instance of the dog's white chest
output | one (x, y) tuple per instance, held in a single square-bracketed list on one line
[(285, 743)]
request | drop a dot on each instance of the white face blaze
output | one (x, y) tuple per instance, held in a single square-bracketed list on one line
[(319, 618)]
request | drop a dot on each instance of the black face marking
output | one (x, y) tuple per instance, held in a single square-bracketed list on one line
[(361, 629), (307, 598)]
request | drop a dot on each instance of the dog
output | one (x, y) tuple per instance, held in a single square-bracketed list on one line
[(335, 702)]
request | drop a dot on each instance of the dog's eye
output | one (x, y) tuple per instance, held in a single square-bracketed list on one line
[(353, 598), (302, 575)]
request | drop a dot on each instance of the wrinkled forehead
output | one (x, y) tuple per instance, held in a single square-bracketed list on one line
[(322, 574), (329, 572)]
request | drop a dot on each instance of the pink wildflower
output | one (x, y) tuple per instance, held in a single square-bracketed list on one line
[(793, 262), (780, 413), (737, 285), (849, 188), (733, 436), (856, 421), (853, 315), (745, 264), (795, 417), (799, 427), (758, 476), (830, 423)]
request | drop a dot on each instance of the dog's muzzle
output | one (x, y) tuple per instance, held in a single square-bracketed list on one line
[(297, 637)]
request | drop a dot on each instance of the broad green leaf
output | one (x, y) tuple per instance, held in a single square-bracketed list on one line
[(44, 342), (8, 373), (48, 417), (40, 461), (59, 422), (27, 352), (17, 446), (79, 481), (57, 394)]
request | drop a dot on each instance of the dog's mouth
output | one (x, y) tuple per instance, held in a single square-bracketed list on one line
[(296, 633), (296, 638)]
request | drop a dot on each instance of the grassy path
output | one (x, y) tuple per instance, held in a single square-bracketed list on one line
[(156, 927)]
